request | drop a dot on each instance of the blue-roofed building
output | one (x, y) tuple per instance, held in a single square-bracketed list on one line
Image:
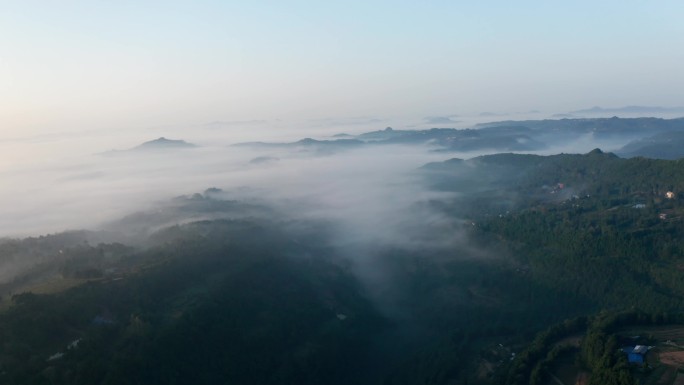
[(637, 354)]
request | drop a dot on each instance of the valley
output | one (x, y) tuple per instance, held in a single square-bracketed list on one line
[(506, 272)]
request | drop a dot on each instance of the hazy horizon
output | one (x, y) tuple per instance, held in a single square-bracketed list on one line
[(365, 192), (81, 78), (79, 66)]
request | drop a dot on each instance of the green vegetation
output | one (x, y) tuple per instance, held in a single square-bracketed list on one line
[(598, 231), (207, 309), (602, 246), (600, 351), (558, 252)]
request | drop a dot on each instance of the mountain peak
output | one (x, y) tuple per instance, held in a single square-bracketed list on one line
[(163, 143)]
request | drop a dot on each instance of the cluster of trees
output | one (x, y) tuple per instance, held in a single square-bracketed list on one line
[(589, 239), (530, 364), (617, 258), (599, 352), (245, 300), (587, 228), (272, 301), (31, 261), (209, 307)]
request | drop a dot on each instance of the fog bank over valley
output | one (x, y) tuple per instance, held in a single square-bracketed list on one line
[(394, 241), (53, 183)]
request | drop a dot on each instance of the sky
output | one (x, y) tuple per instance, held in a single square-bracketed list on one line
[(70, 66)]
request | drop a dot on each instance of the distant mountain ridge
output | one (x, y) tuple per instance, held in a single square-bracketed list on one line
[(160, 144), (630, 110), (308, 145), (502, 136), (163, 143), (666, 145)]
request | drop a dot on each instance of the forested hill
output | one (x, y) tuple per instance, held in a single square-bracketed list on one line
[(252, 295), (520, 180), (641, 137), (594, 228), (213, 302), (603, 127), (597, 223)]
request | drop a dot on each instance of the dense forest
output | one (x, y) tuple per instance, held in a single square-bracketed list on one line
[(549, 247)]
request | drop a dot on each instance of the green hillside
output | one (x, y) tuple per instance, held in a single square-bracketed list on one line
[(273, 299)]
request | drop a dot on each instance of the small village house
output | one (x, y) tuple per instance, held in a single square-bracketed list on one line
[(636, 355)]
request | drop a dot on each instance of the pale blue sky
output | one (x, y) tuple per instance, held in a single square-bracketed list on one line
[(107, 64)]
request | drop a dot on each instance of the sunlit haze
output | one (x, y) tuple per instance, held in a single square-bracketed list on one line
[(341, 192), (81, 65), (80, 78)]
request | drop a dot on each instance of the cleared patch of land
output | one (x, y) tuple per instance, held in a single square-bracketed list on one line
[(573, 340), (660, 333), (675, 359), (52, 286)]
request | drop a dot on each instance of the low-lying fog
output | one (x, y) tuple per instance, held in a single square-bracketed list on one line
[(58, 182)]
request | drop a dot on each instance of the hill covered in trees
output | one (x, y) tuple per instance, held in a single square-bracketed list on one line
[(259, 295)]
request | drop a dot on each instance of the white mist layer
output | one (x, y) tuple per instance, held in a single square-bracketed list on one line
[(56, 182)]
